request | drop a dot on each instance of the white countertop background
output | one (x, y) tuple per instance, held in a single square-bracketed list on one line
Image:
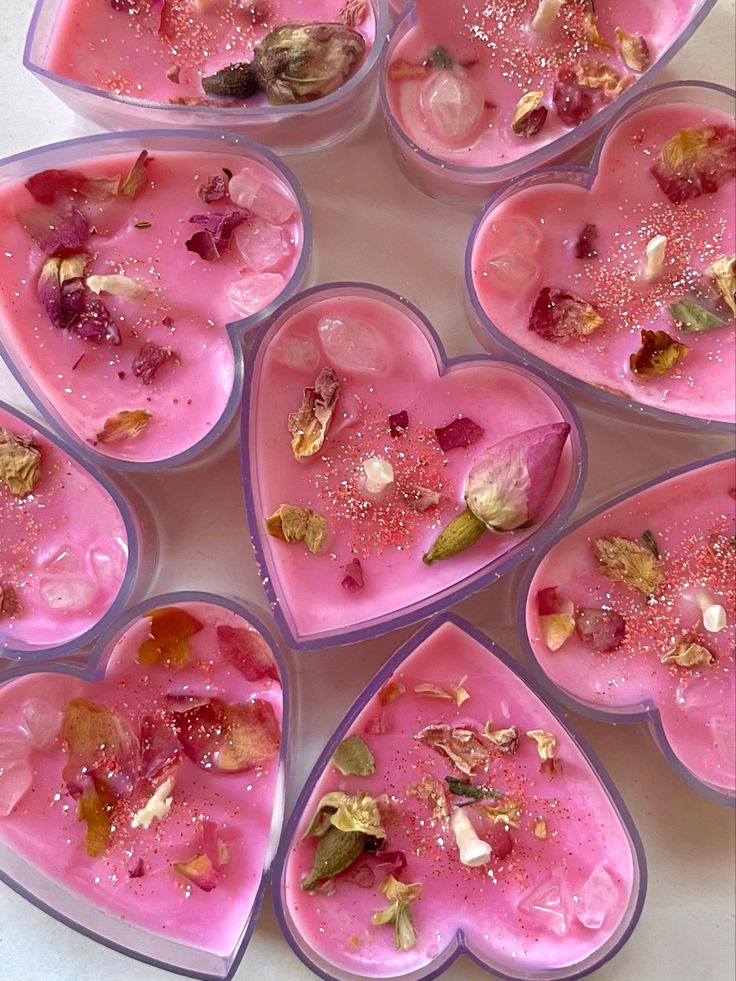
[(371, 225)]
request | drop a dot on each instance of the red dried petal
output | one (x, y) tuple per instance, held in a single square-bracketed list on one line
[(213, 189), (360, 874), (136, 176), (169, 632), (500, 840), (137, 871), (461, 432), (48, 185), (550, 601), (150, 359), (603, 630), (354, 579), (205, 868), (586, 242), (247, 651), (94, 813), (160, 747), (695, 162), (395, 860), (574, 102), (398, 422), (216, 233), (53, 232), (559, 315), (229, 738), (100, 742)]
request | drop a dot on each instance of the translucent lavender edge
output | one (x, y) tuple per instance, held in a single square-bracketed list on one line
[(94, 669), (235, 330), (564, 144), (582, 177), (128, 583), (480, 579), (647, 710), (457, 946), (221, 115)]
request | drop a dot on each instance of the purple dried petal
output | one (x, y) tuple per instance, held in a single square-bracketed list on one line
[(73, 303), (574, 102), (48, 185), (217, 230), (96, 324), (204, 244), (585, 247), (354, 579), (460, 432), (213, 189), (150, 359), (603, 630), (398, 422), (137, 870), (53, 232)]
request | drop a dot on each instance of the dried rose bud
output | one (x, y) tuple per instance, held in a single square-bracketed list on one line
[(634, 51), (530, 115), (695, 162), (237, 81), (603, 630), (658, 354), (585, 244), (574, 102), (559, 315), (303, 61), (723, 276)]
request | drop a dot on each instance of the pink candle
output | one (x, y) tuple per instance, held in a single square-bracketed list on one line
[(629, 285), (485, 809), (663, 642), (169, 831)]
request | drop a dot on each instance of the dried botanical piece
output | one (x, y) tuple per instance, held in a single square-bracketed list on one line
[(390, 692), (599, 75), (136, 177), (354, 12), (723, 275), (294, 524), (573, 102), (592, 34), (508, 813), (559, 315), (400, 895), (461, 432), (463, 747), (695, 162), (585, 244), (556, 617), (127, 424), (540, 829), (10, 604), (456, 692), (117, 285), (237, 81), (226, 738), (93, 812), (205, 868), (213, 189), (546, 746), (651, 543), (626, 561), (688, 654), (353, 758), (421, 498), (694, 318), (398, 423), (603, 630), (169, 631), (474, 852), (472, 793), (529, 115), (216, 232), (432, 794), (343, 825), (634, 51), (354, 579), (20, 463), (157, 806), (53, 232), (308, 426), (150, 360), (247, 651), (504, 740), (658, 354)]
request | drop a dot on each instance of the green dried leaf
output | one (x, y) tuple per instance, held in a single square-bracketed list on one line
[(694, 318), (461, 788), (336, 851), (651, 543), (400, 895), (353, 758)]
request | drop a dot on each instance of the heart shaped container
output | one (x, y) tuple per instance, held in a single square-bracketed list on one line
[(294, 128), (70, 898), (227, 357), (324, 613), (598, 397), (456, 184)]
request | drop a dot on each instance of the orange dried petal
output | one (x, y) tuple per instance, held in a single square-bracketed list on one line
[(169, 633), (253, 736)]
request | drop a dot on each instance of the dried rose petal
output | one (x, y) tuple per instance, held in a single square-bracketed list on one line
[(213, 189), (398, 423), (216, 234), (54, 232), (463, 746), (150, 359), (603, 630), (20, 463), (48, 185), (634, 51), (136, 177), (294, 524), (137, 871), (599, 75), (461, 432), (550, 600), (95, 323), (95, 815), (574, 102), (173, 74), (160, 748), (205, 868), (723, 276), (688, 654), (695, 162), (390, 692), (168, 637), (530, 115), (585, 244), (504, 740), (658, 354), (556, 617), (247, 651), (308, 426), (592, 34), (10, 604), (354, 12), (500, 840), (228, 738), (101, 746), (559, 315), (395, 860), (354, 579), (125, 425)]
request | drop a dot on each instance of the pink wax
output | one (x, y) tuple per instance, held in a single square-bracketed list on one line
[(477, 97), (692, 520), (162, 54), (583, 832), (43, 828), (392, 369), (185, 308), (63, 548), (527, 243)]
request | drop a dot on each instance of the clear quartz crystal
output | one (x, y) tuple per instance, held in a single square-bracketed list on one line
[(453, 106), (264, 196), (694, 691), (296, 352), (262, 244), (108, 564), (352, 344), (43, 721), (377, 480), (549, 904), (596, 898), (62, 561), (513, 247), (71, 593), (15, 780), (254, 291), (723, 730), (15, 745)]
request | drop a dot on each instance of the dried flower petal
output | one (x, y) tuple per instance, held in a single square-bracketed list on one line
[(430, 792), (574, 102), (236, 81), (216, 233), (556, 617), (432, 691), (650, 542), (400, 895), (10, 604), (308, 426), (421, 498), (354, 12), (504, 740), (603, 630), (599, 75), (247, 651), (20, 463), (624, 560), (462, 746), (205, 868), (546, 747), (461, 432), (354, 579), (402, 71), (53, 232), (61, 290), (693, 318), (540, 829), (592, 33), (462, 788), (530, 115), (723, 275), (585, 244), (346, 813), (227, 738), (168, 637), (213, 189), (301, 61), (127, 424), (508, 813), (398, 422), (634, 51), (160, 748), (353, 758), (137, 871), (294, 524), (150, 360), (102, 748), (94, 813), (688, 654), (658, 354), (559, 315), (695, 162), (117, 285), (136, 176), (390, 692), (49, 185)]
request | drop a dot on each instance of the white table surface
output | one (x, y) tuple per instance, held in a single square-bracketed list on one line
[(371, 225)]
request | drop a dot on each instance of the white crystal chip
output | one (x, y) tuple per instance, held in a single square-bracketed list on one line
[(546, 13), (157, 807), (654, 259), (296, 352), (714, 618), (70, 594), (254, 189), (15, 745), (108, 564), (43, 720), (378, 477), (512, 248), (15, 780), (262, 244), (453, 105), (596, 898), (352, 344), (254, 291), (549, 904)]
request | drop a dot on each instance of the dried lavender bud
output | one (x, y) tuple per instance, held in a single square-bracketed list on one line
[(238, 81)]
